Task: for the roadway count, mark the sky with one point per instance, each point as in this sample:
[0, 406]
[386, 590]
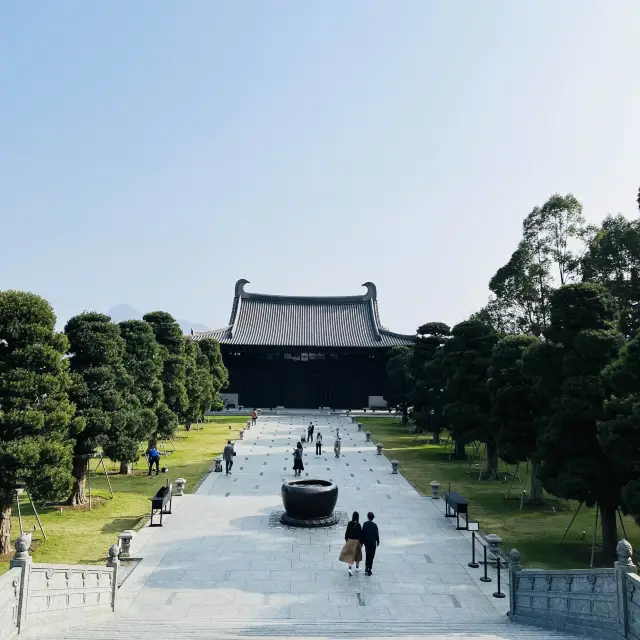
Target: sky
[153, 152]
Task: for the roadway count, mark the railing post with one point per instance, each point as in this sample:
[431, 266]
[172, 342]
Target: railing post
[22, 559]
[624, 566]
[114, 563]
[514, 568]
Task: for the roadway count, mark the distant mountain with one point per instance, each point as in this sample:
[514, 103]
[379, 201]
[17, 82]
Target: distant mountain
[126, 312]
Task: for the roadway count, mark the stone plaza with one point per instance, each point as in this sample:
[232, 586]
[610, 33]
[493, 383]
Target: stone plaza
[223, 566]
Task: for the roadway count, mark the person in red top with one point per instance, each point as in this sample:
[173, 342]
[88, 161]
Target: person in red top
[254, 417]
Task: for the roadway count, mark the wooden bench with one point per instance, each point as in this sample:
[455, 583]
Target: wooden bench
[456, 504]
[159, 504]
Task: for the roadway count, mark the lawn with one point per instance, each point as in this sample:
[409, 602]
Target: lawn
[80, 536]
[535, 532]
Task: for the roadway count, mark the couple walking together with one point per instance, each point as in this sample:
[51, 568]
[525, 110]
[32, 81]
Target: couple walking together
[356, 536]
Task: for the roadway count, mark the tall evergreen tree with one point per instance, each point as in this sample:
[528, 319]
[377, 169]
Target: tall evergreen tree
[613, 260]
[199, 383]
[219, 374]
[174, 372]
[514, 406]
[99, 389]
[399, 391]
[143, 362]
[581, 341]
[429, 378]
[466, 359]
[35, 411]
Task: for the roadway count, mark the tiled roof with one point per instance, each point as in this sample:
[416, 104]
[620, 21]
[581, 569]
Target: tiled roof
[280, 321]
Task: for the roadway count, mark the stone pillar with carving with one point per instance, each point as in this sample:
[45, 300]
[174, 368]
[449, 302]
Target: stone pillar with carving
[114, 563]
[22, 560]
[624, 566]
[514, 568]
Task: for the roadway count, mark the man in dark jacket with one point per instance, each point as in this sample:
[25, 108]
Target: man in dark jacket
[370, 538]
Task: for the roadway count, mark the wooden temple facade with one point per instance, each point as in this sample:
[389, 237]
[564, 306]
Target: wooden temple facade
[305, 352]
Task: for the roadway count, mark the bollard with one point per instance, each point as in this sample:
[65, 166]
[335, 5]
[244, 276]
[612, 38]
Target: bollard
[394, 466]
[125, 543]
[359, 426]
[379, 448]
[435, 487]
[485, 577]
[473, 564]
[367, 436]
[179, 487]
[498, 593]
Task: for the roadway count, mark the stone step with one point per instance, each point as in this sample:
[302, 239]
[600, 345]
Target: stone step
[141, 629]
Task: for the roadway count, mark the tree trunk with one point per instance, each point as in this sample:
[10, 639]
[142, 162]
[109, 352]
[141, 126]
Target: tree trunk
[405, 415]
[461, 454]
[153, 441]
[125, 468]
[536, 491]
[436, 436]
[608, 515]
[187, 426]
[79, 471]
[491, 472]
[5, 525]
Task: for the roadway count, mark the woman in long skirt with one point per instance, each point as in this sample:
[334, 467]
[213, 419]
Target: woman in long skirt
[352, 550]
[298, 466]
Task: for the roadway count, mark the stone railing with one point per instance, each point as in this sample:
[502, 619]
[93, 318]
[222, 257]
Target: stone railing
[9, 602]
[597, 603]
[33, 594]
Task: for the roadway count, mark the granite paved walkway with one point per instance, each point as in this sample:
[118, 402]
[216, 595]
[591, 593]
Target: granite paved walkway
[220, 567]
[220, 556]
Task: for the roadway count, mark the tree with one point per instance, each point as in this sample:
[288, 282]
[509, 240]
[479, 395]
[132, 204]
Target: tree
[174, 372]
[466, 358]
[199, 383]
[400, 381]
[100, 383]
[35, 411]
[569, 367]
[613, 260]
[514, 405]
[220, 376]
[429, 378]
[619, 431]
[143, 362]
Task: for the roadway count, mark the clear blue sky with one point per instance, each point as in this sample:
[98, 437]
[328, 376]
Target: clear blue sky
[152, 152]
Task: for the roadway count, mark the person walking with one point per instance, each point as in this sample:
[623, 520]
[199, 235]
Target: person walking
[352, 550]
[337, 446]
[153, 456]
[298, 465]
[370, 538]
[254, 417]
[310, 430]
[319, 444]
[228, 454]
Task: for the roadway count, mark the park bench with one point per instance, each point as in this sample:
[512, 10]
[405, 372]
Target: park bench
[159, 504]
[455, 504]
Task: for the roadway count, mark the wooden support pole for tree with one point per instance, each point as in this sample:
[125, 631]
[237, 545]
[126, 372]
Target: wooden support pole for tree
[624, 531]
[89, 480]
[19, 514]
[33, 506]
[595, 530]
[526, 475]
[512, 480]
[575, 515]
[106, 475]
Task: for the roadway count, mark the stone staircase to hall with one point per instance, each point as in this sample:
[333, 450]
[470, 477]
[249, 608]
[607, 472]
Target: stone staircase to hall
[156, 629]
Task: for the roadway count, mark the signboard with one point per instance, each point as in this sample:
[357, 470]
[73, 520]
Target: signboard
[473, 526]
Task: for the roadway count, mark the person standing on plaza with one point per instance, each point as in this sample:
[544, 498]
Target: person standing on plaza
[319, 444]
[310, 430]
[370, 538]
[298, 465]
[337, 446]
[352, 550]
[228, 454]
[254, 417]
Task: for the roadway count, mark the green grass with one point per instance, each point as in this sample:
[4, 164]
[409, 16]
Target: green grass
[80, 536]
[534, 531]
